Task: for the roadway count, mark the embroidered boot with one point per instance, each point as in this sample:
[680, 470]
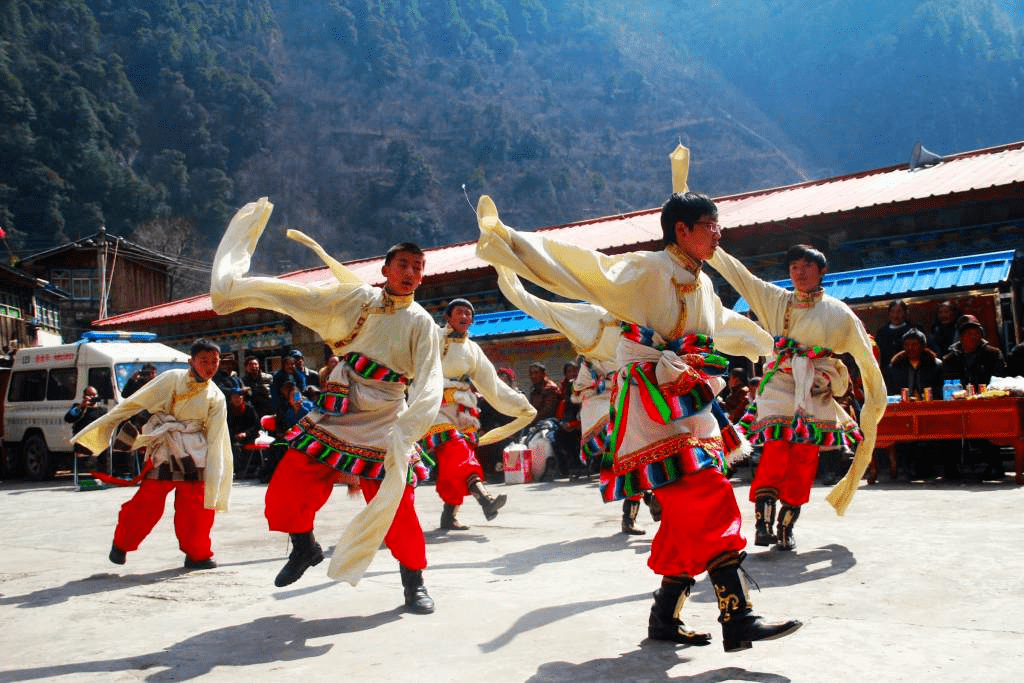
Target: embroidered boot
[306, 553]
[664, 622]
[787, 518]
[630, 508]
[740, 626]
[450, 518]
[490, 504]
[417, 600]
[764, 515]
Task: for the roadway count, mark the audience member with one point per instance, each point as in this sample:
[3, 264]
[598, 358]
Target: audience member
[256, 387]
[490, 455]
[138, 379]
[327, 369]
[287, 373]
[567, 438]
[227, 379]
[544, 394]
[890, 337]
[914, 368]
[735, 398]
[943, 332]
[1015, 361]
[312, 376]
[243, 427]
[81, 414]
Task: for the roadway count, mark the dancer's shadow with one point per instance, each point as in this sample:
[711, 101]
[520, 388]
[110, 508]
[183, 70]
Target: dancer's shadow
[651, 662]
[268, 640]
[525, 561]
[90, 585]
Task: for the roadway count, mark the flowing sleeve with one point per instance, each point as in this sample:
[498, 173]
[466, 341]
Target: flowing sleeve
[231, 290]
[502, 398]
[219, 460]
[365, 533]
[857, 344]
[155, 396]
[564, 269]
[738, 335]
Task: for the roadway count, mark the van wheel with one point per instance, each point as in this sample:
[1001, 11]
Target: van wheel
[36, 456]
[10, 463]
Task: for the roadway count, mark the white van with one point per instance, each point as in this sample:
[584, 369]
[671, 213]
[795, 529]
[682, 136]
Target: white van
[46, 380]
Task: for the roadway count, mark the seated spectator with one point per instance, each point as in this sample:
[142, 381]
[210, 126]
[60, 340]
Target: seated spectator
[292, 408]
[567, 438]
[138, 379]
[1015, 361]
[544, 394]
[244, 427]
[972, 360]
[943, 332]
[227, 378]
[256, 384]
[914, 368]
[312, 376]
[890, 337]
[287, 373]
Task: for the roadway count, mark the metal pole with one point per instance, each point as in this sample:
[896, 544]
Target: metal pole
[101, 261]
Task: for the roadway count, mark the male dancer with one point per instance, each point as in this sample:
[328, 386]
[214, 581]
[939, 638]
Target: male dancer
[795, 412]
[188, 451]
[452, 438]
[594, 334]
[363, 426]
[666, 434]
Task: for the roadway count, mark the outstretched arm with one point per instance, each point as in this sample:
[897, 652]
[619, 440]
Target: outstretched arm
[760, 295]
[502, 398]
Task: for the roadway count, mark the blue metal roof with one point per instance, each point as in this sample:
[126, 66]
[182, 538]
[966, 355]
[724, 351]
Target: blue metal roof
[912, 278]
[503, 323]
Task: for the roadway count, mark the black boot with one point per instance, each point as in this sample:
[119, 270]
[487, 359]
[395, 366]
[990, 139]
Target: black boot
[740, 626]
[450, 518]
[664, 623]
[787, 518]
[489, 503]
[764, 516]
[117, 556]
[306, 553]
[630, 508]
[653, 505]
[416, 598]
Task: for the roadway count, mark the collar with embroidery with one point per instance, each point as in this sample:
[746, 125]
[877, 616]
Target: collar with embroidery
[807, 299]
[689, 263]
[395, 302]
[454, 336]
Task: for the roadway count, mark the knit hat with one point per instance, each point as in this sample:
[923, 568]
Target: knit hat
[458, 302]
[914, 333]
[966, 321]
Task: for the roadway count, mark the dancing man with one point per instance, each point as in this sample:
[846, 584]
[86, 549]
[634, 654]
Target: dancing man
[795, 412]
[452, 438]
[363, 429]
[666, 434]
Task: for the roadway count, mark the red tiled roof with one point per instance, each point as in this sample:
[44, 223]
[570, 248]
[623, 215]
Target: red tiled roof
[994, 167]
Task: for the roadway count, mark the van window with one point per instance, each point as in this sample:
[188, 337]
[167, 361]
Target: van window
[62, 383]
[27, 385]
[100, 380]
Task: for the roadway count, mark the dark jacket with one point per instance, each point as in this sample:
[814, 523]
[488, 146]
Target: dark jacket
[259, 392]
[974, 368]
[80, 419]
[246, 422]
[545, 398]
[902, 375]
[890, 342]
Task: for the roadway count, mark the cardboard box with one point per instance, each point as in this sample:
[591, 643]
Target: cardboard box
[517, 463]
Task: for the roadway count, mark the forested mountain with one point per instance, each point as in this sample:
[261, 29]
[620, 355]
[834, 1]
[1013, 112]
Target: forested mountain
[363, 119]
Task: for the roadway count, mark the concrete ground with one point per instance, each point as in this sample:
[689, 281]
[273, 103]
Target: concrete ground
[918, 582]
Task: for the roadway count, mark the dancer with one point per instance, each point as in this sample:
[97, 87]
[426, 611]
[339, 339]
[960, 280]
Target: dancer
[795, 411]
[363, 429]
[594, 334]
[666, 434]
[188, 451]
[451, 440]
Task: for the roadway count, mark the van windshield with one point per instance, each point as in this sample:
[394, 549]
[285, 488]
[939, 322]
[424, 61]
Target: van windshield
[125, 371]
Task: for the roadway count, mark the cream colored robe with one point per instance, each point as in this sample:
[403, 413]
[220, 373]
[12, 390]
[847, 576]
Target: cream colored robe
[665, 291]
[176, 393]
[349, 315]
[465, 368]
[814, 321]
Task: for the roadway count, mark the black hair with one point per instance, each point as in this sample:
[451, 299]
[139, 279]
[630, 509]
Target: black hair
[805, 252]
[202, 344]
[407, 247]
[687, 207]
[898, 302]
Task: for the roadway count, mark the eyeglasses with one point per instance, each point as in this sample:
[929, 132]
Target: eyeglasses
[712, 226]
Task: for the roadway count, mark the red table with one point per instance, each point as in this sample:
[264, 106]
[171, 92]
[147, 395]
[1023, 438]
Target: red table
[1000, 420]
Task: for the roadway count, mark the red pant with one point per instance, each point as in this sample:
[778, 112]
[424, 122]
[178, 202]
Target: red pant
[699, 521]
[301, 486]
[456, 461]
[192, 521]
[786, 472]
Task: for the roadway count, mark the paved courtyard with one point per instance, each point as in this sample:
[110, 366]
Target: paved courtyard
[918, 582]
